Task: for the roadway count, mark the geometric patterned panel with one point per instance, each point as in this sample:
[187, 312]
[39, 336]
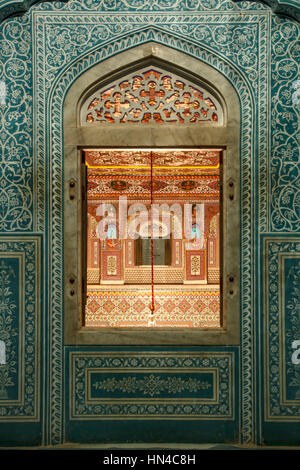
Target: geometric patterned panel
[129, 307]
[161, 275]
[213, 275]
[93, 276]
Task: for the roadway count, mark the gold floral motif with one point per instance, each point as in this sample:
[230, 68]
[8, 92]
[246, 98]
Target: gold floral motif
[152, 385]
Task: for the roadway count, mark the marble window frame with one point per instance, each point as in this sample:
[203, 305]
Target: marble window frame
[225, 137]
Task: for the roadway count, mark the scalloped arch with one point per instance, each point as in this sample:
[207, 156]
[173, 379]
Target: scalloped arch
[290, 8]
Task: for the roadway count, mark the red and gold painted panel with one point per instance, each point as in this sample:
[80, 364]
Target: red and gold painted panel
[195, 266]
[111, 265]
[138, 186]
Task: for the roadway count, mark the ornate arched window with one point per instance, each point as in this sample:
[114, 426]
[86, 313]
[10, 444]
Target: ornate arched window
[155, 134]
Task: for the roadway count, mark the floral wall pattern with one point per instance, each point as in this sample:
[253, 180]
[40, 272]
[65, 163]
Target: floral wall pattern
[284, 170]
[16, 167]
[42, 53]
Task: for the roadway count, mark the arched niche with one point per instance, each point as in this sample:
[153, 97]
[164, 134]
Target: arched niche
[168, 135]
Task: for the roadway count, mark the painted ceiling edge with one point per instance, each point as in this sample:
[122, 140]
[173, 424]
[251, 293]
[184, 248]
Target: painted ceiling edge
[290, 8]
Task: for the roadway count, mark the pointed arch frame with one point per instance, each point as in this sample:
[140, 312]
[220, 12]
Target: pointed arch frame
[52, 164]
[170, 136]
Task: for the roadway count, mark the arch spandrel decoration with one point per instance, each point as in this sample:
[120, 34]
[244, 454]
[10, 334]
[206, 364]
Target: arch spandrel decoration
[152, 95]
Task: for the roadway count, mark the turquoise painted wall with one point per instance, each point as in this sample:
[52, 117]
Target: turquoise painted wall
[44, 396]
